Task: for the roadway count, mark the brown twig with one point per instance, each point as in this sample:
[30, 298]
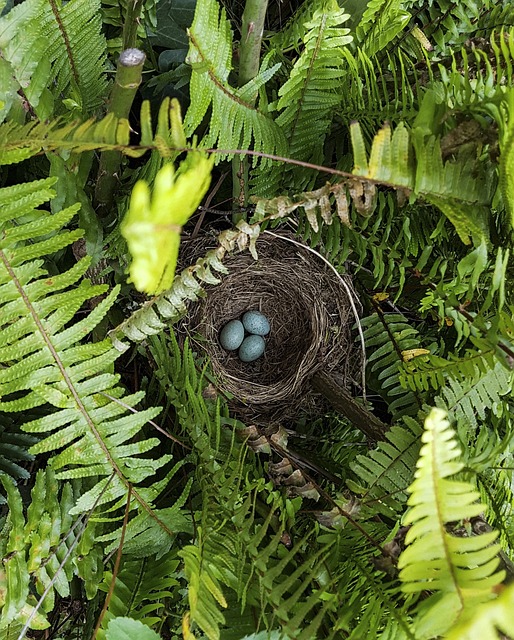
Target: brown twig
[116, 564]
[207, 204]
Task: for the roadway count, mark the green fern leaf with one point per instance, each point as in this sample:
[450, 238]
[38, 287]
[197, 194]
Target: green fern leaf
[315, 79]
[291, 35]
[451, 186]
[431, 372]
[460, 570]
[49, 45]
[45, 362]
[33, 550]
[308, 100]
[387, 471]
[468, 400]
[14, 452]
[381, 22]
[140, 589]
[127, 628]
[210, 55]
[507, 159]
[386, 337]
[21, 141]
[491, 620]
[204, 593]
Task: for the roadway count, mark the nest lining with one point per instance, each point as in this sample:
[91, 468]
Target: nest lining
[310, 318]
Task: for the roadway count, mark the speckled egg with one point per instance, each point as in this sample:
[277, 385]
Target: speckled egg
[256, 322]
[251, 348]
[232, 335]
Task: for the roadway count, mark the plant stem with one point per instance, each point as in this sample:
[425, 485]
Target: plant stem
[251, 37]
[343, 402]
[128, 79]
[252, 28]
[131, 23]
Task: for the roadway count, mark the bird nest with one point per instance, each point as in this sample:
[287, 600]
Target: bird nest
[310, 315]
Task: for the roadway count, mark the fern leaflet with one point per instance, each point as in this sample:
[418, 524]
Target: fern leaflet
[311, 95]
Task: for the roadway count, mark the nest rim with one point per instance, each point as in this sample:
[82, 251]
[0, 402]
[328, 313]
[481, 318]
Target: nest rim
[311, 317]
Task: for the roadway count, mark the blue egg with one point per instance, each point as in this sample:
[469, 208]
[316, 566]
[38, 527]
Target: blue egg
[252, 348]
[256, 322]
[232, 335]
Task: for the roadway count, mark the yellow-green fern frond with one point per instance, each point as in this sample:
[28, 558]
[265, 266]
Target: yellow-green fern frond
[21, 141]
[152, 227]
[461, 571]
[415, 163]
[491, 620]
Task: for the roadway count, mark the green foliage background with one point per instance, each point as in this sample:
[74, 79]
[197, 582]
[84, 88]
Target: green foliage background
[133, 503]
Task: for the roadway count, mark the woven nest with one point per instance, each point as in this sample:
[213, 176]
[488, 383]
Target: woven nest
[310, 316]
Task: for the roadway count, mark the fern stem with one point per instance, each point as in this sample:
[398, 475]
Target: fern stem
[131, 23]
[251, 36]
[252, 28]
[66, 38]
[117, 562]
[128, 79]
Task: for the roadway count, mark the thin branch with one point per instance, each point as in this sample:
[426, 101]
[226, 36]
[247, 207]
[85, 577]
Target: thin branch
[116, 567]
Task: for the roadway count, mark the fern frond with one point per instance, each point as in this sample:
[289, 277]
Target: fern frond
[507, 158]
[427, 372]
[310, 97]
[385, 473]
[469, 399]
[152, 227]
[315, 204]
[205, 593]
[292, 33]
[62, 47]
[14, 450]
[374, 94]
[449, 25]
[146, 537]
[386, 337]
[460, 570]
[19, 142]
[452, 186]
[140, 590]
[381, 22]
[44, 362]
[33, 547]
[492, 620]
[210, 55]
